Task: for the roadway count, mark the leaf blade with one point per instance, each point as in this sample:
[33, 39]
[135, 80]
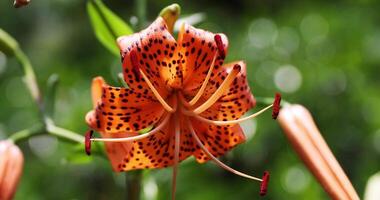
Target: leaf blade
[107, 25]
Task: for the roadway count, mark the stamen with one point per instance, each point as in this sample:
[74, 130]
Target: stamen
[276, 105]
[87, 141]
[176, 155]
[220, 45]
[264, 184]
[204, 84]
[135, 64]
[220, 163]
[220, 91]
[134, 138]
[157, 95]
[220, 123]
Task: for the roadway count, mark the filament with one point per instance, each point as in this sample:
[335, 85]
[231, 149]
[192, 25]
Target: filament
[220, 163]
[189, 113]
[156, 94]
[134, 138]
[204, 84]
[220, 91]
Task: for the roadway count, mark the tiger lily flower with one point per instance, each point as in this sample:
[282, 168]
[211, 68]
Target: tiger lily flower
[183, 91]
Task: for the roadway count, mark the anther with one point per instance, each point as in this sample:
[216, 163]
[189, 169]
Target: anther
[276, 105]
[135, 65]
[220, 45]
[264, 184]
[87, 141]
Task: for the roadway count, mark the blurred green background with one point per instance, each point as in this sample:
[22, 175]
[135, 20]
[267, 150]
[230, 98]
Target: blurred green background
[322, 54]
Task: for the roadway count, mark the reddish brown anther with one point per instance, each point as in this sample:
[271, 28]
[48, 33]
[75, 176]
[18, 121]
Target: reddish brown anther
[87, 141]
[20, 3]
[276, 105]
[220, 45]
[264, 184]
[135, 65]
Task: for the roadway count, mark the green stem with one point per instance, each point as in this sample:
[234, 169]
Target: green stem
[63, 133]
[30, 78]
[133, 184]
[27, 133]
[141, 13]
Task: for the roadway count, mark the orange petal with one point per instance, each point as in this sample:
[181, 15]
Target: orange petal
[121, 110]
[157, 56]
[235, 101]
[116, 151]
[198, 47]
[157, 151]
[217, 139]
[96, 90]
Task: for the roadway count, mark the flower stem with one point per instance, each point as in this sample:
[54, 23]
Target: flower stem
[133, 184]
[141, 13]
[30, 78]
[64, 133]
[26, 133]
[47, 125]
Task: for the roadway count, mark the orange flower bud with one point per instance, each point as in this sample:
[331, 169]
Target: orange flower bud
[307, 141]
[11, 165]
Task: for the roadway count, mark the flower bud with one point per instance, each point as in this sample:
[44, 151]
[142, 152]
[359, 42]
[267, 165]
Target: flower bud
[170, 14]
[11, 166]
[307, 141]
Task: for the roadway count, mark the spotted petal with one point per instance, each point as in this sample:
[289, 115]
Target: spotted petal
[198, 47]
[121, 110]
[217, 139]
[157, 151]
[157, 56]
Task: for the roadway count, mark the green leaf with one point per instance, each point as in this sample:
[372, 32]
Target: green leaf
[107, 25]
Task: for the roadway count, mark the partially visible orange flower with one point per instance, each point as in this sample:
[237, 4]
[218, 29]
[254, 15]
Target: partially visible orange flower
[11, 165]
[183, 90]
[307, 141]
[20, 3]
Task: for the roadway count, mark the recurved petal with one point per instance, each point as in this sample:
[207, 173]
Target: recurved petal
[157, 56]
[236, 100]
[198, 47]
[217, 139]
[122, 110]
[97, 89]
